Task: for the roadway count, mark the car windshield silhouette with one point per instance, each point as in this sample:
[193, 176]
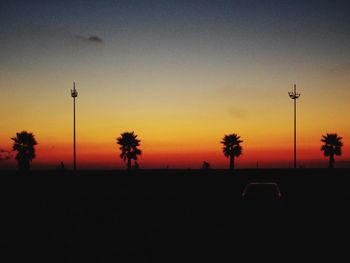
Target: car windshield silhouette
[261, 191]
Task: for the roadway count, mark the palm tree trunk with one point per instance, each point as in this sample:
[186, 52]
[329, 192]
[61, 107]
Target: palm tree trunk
[129, 164]
[23, 165]
[331, 161]
[20, 165]
[232, 162]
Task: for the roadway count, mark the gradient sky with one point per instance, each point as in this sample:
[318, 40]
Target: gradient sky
[181, 74]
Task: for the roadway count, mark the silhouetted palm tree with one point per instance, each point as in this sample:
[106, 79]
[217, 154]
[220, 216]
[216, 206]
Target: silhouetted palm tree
[128, 145]
[232, 148]
[332, 146]
[24, 143]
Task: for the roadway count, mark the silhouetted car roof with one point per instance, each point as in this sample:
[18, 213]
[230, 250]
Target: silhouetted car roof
[261, 191]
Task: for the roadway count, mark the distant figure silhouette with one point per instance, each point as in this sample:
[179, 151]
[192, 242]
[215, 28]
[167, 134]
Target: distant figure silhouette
[24, 143]
[332, 146]
[205, 165]
[128, 145]
[232, 147]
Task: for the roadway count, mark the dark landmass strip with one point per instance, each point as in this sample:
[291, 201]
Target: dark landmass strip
[166, 214]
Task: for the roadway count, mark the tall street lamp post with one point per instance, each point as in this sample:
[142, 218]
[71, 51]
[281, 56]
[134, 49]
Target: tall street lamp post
[74, 94]
[294, 96]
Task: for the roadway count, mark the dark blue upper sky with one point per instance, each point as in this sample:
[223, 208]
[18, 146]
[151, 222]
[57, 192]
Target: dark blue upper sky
[271, 19]
[296, 29]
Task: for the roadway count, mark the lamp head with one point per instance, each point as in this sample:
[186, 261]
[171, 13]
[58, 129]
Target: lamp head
[74, 92]
[293, 95]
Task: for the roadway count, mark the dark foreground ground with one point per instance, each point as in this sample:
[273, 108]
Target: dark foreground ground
[167, 215]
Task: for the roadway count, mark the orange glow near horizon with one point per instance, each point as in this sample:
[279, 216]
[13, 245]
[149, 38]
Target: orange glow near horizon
[178, 137]
[162, 155]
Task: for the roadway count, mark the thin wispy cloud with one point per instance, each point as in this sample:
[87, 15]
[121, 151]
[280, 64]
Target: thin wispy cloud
[90, 39]
[341, 68]
[47, 33]
[237, 112]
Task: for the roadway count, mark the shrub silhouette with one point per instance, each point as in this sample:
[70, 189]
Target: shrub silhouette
[5, 155]
[128, 145]
[332, 146]
[232, 148]
[205, 165]
[24, 143]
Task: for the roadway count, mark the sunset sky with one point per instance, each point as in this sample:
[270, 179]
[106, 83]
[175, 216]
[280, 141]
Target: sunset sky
[181, 74]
